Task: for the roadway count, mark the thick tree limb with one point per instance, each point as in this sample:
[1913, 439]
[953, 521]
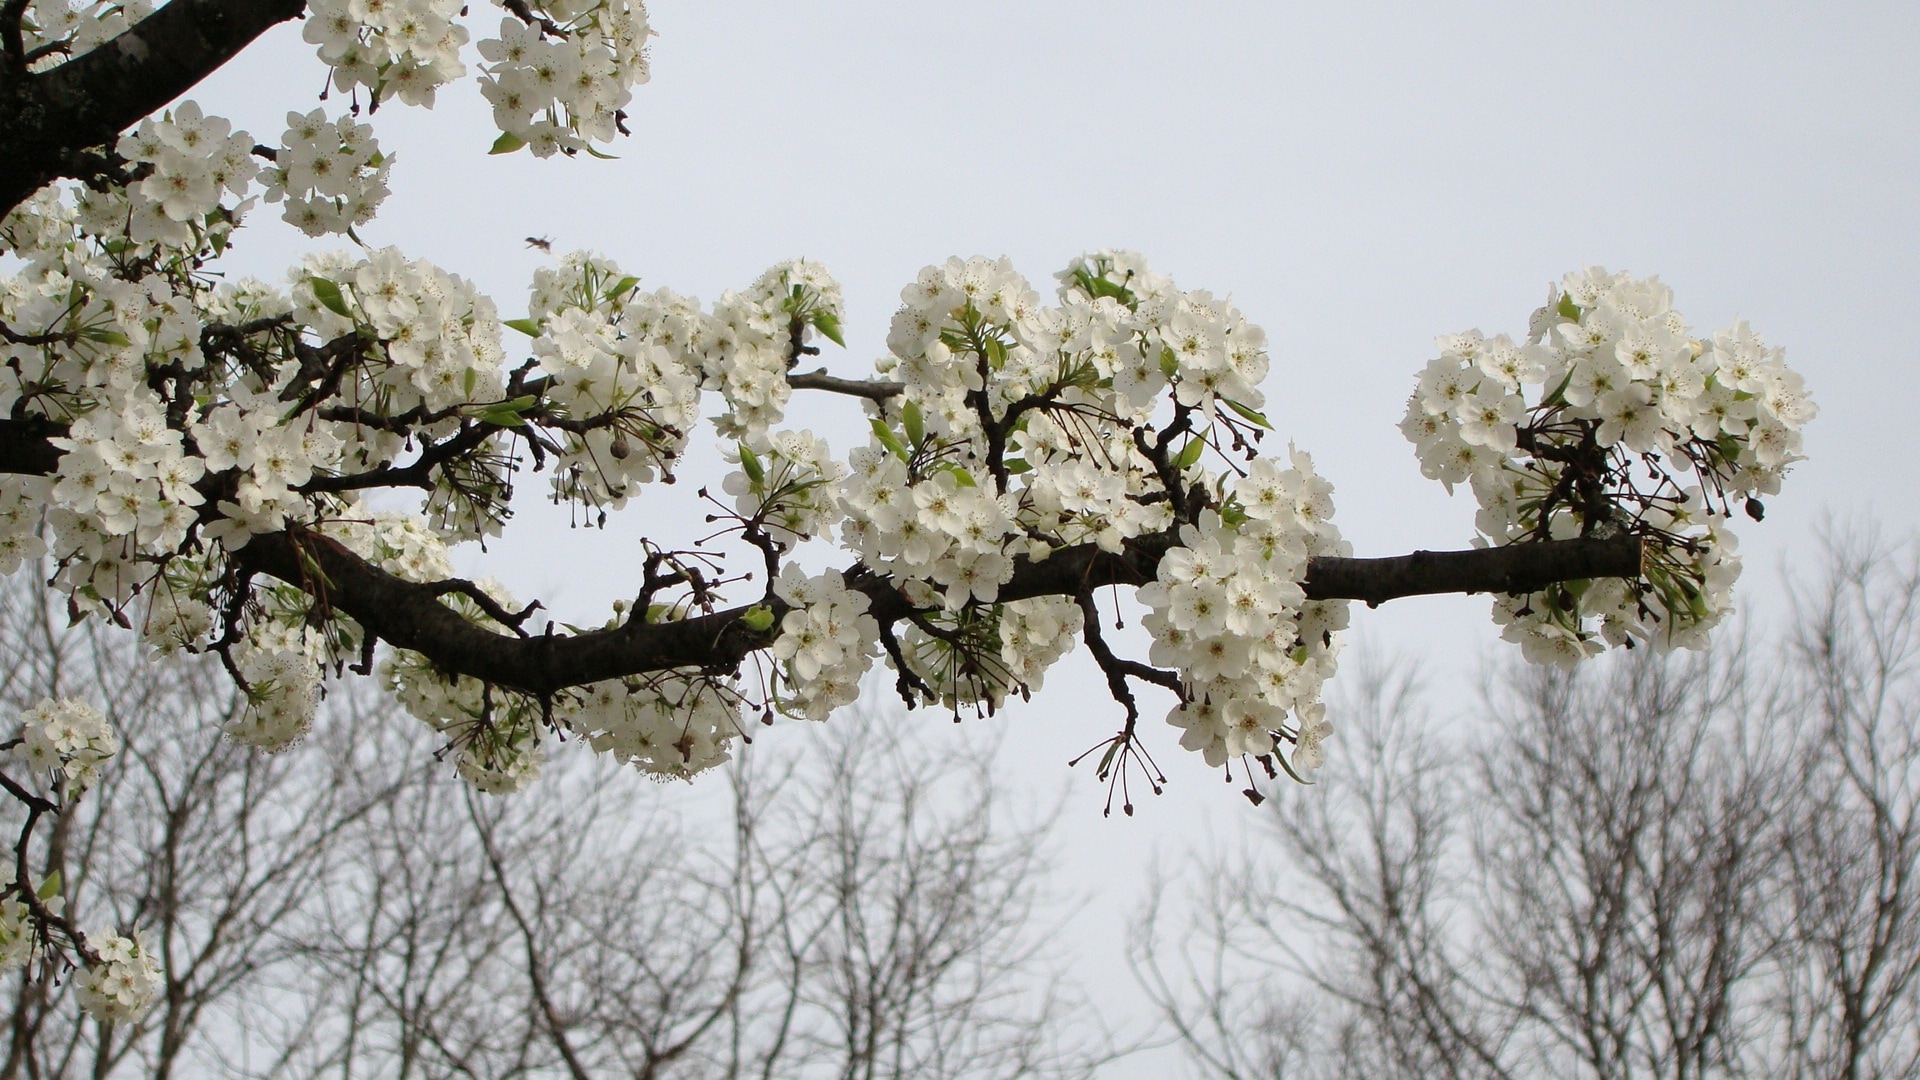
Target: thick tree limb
[47, 118]
[24, 448]
[411, 616]
[1516, 568]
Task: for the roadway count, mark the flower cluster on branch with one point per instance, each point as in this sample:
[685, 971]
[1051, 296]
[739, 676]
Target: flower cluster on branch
[1612, 418]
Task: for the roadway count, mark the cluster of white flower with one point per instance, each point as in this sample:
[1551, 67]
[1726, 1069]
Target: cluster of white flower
[68, 739]
[753, 337]
[122, 984]
[331, 173]
[827, 642]
[17, 932]
[20, 508]
[438, 355]
[400, 544]
[1623, 389]
[566, 93]
[439, 335]
[946, 529]
[786, 487]
[1228, 612]
[194, 159]
[59, 30]
[650, 400]
[282, 669]
[672, 724]
[395, 48]
[119, 985]
[495, 743]
[130, 475]
[1036, 633]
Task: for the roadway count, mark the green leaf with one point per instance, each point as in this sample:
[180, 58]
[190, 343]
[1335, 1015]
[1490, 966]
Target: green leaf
[1557, 397]
[962, 477]
[1190, 454]
[889, 440]
[473, 377]
[1016, 466]
[507, 143]
[623, 286]
[750, 462]
[503, 416]
[1568, 309]
[1250, 416]
[525, 326]
[601, 154]
[329, 296]
[107, 337]
[49, 888]
[758, 618]
[829, 324]
[914, 422]
[1169, 364]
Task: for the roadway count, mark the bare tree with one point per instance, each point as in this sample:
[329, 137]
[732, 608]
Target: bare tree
[867, 907]
[207, 847]
[1681, 867]
[867, 911]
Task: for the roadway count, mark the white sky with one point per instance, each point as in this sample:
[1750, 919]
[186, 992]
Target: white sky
[1358, 177]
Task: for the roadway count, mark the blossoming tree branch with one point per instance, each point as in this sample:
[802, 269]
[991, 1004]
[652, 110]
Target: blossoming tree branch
[191, 457]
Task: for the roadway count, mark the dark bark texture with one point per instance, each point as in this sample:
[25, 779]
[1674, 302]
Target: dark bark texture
[49, 119]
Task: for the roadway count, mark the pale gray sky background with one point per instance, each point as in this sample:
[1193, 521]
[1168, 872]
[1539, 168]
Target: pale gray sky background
[1358, 177]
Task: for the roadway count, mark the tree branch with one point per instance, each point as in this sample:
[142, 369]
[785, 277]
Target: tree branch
[410, 614]
[48, 117]
[871, 389]
[1515, 568]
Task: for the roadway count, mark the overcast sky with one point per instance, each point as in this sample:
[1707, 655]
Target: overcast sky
[1358, 177]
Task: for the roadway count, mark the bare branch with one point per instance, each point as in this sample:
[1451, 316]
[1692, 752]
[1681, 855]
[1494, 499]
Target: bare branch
[871, 389]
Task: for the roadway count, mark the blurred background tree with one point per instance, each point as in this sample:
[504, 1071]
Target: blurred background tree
[1695, 866]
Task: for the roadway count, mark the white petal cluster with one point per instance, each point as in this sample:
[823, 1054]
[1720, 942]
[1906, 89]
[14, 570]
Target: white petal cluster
[785, 489]
[331, 174]
[560, 84]
[129, 474]
[122, 984]
[826, 643]
[1034, 634]
[494, 738]
[1612, 376]
[18, 940]
[281, 664]
[57, 30]
[672, 725]
[394, 48]
[1229, 613]
[195, 161]
[754, 337]
[650, 399]
[68, 739]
